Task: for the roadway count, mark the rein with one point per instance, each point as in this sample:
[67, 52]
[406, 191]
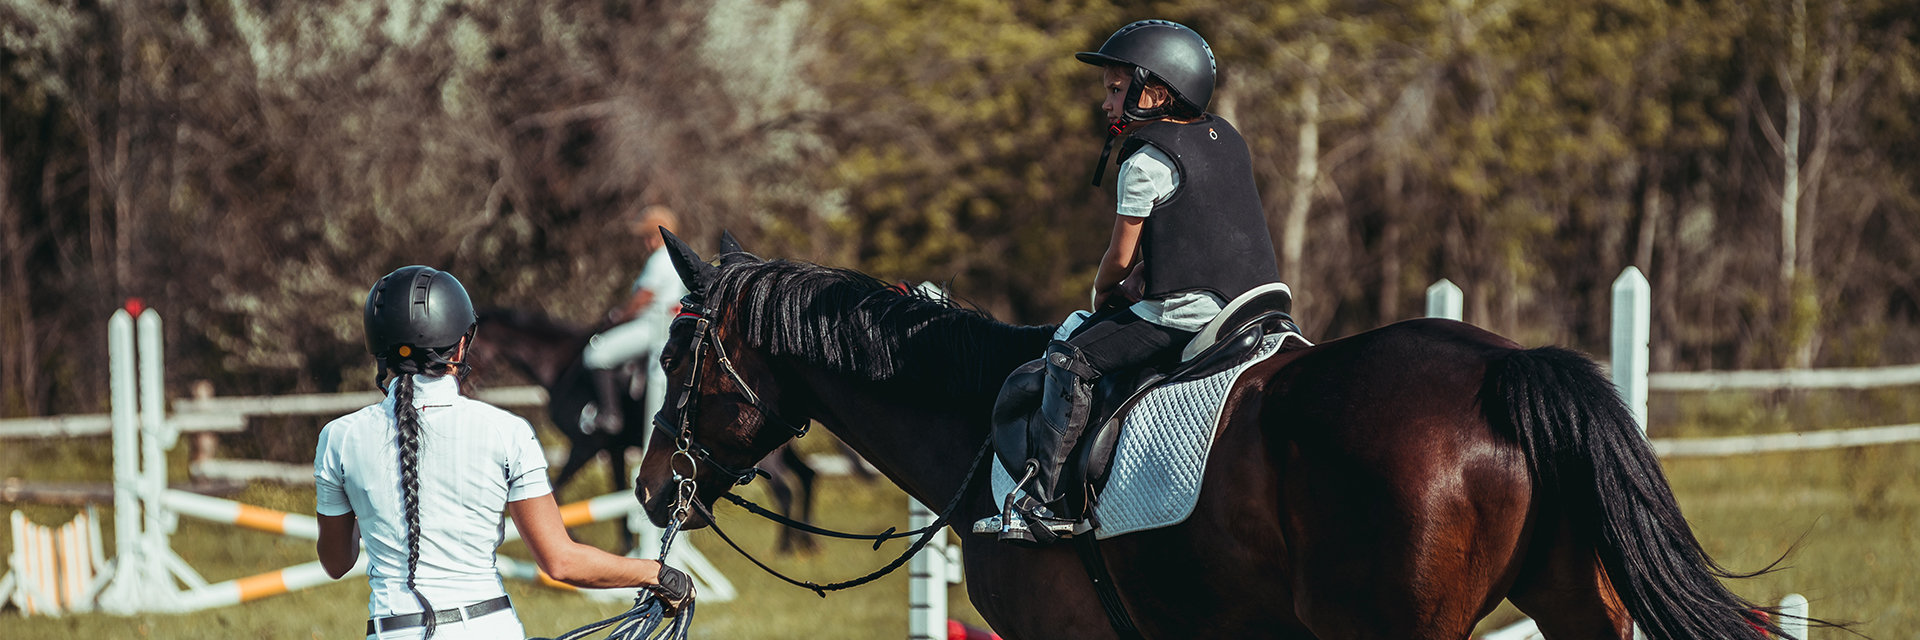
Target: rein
[926, 534]
[694, 453]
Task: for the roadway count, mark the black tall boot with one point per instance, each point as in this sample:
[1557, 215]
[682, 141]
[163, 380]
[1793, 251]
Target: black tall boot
[606, 385]
[1037, 512]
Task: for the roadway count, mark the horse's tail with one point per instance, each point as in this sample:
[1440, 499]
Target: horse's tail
[1586, 450]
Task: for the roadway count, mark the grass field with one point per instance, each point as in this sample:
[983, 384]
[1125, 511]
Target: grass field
[1849, 518]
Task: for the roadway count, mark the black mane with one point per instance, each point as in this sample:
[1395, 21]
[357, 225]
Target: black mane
[848, 322]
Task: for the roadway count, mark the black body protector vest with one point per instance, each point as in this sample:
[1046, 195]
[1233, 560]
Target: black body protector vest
[1211, 234]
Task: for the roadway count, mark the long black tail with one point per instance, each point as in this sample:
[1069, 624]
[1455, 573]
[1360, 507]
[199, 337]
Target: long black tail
[1585, 448]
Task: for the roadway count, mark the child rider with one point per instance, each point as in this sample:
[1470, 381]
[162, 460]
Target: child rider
[1189, 237]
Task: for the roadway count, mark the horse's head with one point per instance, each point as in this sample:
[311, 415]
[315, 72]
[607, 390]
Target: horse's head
[723, 410]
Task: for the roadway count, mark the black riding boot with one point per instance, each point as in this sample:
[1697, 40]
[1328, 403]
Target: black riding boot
[606, 385]
[1038, 511]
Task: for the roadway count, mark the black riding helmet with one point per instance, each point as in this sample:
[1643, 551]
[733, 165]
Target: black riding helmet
[1158, 51]
[417, 313]
[1162, 51]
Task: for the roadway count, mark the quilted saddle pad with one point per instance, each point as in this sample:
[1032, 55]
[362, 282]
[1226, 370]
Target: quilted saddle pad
[1162, 452]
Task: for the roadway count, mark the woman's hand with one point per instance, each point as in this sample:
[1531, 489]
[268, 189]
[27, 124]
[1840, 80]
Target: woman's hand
[674, 589]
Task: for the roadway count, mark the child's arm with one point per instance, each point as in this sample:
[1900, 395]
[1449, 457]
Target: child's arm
[1122, 252]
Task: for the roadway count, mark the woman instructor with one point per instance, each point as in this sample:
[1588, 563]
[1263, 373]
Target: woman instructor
[424, 476]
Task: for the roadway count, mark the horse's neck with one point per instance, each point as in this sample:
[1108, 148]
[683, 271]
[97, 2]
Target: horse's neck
[924, 449]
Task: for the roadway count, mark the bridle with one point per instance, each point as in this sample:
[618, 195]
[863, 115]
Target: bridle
[686, 410]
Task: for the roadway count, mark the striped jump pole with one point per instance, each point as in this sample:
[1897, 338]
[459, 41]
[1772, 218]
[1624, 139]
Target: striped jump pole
[255, 587]
[247, 516]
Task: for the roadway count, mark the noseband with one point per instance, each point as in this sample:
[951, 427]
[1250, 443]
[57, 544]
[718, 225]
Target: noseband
[686, 409]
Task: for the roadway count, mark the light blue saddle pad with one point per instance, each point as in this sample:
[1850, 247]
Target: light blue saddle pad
[1162, 454]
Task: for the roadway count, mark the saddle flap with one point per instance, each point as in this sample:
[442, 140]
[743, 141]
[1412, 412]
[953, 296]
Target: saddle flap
[1095, 461]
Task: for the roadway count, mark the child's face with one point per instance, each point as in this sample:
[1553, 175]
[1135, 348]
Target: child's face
[1115, 81]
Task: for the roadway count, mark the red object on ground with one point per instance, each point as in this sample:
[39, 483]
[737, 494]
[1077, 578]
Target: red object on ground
[959, 631]
[135, 306]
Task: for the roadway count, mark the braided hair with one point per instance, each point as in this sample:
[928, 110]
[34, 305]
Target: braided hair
[408, 362]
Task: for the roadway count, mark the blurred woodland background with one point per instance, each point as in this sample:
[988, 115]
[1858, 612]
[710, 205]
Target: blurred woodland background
[249, 167]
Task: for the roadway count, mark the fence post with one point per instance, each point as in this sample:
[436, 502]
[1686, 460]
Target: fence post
[1444, 300]
[927, 586]
[1632, 331]
[1793, 616]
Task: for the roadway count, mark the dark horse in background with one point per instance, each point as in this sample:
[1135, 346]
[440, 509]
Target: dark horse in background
[548, 352]
[1394, 484]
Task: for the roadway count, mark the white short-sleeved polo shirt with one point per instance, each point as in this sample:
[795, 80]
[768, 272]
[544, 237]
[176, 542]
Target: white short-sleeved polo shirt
[474, 459]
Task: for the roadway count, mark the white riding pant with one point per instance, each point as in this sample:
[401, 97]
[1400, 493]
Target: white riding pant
[503, 625]
[634, 340]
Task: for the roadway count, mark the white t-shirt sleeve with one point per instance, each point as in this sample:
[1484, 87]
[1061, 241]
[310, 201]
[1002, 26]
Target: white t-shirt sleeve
[526, 466]
[1147, 178]
[329, 476]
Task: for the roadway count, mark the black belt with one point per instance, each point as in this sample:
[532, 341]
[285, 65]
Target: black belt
[443, 616]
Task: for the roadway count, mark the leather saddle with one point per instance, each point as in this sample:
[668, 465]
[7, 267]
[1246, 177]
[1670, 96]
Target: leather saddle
[1114, 395]
[1230, 339]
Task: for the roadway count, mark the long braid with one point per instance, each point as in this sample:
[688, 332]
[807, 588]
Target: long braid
[407, 422]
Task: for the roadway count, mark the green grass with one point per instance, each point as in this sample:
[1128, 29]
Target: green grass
[1848, 516]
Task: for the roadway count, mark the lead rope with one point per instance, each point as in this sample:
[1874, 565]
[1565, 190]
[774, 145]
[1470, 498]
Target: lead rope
[647, 620]
[926, 535]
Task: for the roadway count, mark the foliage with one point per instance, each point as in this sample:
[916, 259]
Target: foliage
[250, 167]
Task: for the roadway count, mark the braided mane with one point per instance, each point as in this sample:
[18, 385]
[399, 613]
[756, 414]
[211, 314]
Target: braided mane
[849, 322]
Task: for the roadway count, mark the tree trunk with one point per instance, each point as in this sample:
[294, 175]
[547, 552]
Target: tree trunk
[1306, 168]
[12, 299]
[123, 208]
[1389, 246]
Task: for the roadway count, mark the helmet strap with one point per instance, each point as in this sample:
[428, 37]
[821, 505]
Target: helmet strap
[1113, 133]
[1141, 76]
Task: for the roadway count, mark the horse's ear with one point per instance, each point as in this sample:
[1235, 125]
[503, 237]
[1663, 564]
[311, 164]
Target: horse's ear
[695, 273]
[731, 253]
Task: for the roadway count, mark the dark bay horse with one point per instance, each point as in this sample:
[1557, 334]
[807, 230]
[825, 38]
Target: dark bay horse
[1394, 484]
[548, 352]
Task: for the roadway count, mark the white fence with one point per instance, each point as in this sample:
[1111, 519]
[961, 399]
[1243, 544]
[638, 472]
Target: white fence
[1631, 335]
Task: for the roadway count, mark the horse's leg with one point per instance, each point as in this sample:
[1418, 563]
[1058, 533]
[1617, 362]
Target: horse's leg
[803, 499]
[855, 462]
[617, 461]
[777, 475]
[1565, 590]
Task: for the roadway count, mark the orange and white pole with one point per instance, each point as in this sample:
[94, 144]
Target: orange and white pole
[255, 587]
[242, 515]
[601, 509]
